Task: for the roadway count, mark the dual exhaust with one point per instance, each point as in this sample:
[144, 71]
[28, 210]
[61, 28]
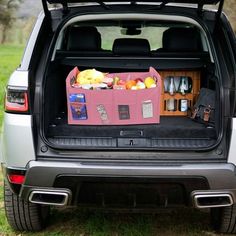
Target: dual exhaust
[212, 199]
[200, 199]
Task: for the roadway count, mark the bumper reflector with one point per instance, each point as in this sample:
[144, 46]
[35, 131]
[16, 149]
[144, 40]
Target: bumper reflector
[16, 179]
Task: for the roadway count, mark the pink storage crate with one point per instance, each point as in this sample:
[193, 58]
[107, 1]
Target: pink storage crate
[112, 106]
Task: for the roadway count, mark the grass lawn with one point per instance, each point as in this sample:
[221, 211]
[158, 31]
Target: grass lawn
[94, 223]
[10, 57]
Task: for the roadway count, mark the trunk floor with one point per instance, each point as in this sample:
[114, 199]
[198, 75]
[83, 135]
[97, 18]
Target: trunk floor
[168, 128]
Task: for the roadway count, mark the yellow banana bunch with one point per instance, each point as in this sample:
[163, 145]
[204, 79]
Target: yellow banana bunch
[90, 76]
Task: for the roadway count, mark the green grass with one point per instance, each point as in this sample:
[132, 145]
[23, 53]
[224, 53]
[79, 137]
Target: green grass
[77, 222]
[10, 57]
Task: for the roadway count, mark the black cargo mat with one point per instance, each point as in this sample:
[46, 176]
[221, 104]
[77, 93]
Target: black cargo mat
[168, 128]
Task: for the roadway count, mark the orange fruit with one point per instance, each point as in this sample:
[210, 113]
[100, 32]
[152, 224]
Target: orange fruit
[130, 83]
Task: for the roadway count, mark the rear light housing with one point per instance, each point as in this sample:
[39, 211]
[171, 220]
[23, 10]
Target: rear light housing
[16, 100]
[16, 178]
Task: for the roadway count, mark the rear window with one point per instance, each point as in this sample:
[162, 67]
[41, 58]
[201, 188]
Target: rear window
[109, 31]
[151, 33]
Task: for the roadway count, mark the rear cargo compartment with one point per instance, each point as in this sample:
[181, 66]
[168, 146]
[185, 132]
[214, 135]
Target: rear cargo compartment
[161, 118]
[176, 129]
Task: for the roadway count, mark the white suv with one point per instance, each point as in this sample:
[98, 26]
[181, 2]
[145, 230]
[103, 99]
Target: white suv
[186, 156]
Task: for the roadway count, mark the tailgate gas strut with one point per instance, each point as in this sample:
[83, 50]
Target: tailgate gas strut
[220, 9]
[47, 14]
[218, 14]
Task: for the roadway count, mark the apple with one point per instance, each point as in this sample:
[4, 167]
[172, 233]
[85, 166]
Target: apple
[138, 80]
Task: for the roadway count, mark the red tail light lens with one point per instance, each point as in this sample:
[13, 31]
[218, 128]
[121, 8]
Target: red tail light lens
[16, 179]
[16, 100]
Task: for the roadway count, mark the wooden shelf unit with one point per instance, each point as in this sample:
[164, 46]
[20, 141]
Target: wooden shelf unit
[191, 96]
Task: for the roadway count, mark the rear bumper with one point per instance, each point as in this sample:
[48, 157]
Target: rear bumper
[44, 173]
[190, 178]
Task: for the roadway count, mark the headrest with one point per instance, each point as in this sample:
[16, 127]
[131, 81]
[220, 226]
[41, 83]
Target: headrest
[131, 46]
[84, 39]
[181, 39]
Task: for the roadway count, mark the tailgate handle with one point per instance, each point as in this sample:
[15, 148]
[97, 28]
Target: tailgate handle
[133, 133]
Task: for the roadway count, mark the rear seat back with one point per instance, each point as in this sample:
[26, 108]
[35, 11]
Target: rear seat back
[81, 42]
[131, 47]
[84, 39]
[181, 40]
[177, 42]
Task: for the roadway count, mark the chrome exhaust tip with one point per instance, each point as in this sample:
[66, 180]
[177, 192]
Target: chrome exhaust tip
[53, 198]
[209, 200]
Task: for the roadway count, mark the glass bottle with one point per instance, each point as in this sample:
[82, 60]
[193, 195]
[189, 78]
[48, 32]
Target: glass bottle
[183, 86]
[171, 89]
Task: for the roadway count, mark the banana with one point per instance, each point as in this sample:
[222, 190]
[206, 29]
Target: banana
[90, 76]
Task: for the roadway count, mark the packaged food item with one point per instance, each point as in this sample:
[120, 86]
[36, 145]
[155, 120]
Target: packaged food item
[119, 87]
[99, 86]
[77, 97]
[103, 113]
[147, 109]
[124, 113]
[79, 111]
[86, 86]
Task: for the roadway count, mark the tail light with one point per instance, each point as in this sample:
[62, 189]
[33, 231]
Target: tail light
[16, 179]
[16, 100]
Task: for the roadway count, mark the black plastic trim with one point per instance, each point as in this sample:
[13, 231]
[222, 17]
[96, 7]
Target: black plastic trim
[133, 143]
[135, 62]
[78, 184]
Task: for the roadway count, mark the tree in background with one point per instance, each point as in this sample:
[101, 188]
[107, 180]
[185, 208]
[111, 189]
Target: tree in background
[15, 28]
[7, 9]
[230, 9]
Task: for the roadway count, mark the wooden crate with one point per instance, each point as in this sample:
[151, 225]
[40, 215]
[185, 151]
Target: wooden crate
[191, 96]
